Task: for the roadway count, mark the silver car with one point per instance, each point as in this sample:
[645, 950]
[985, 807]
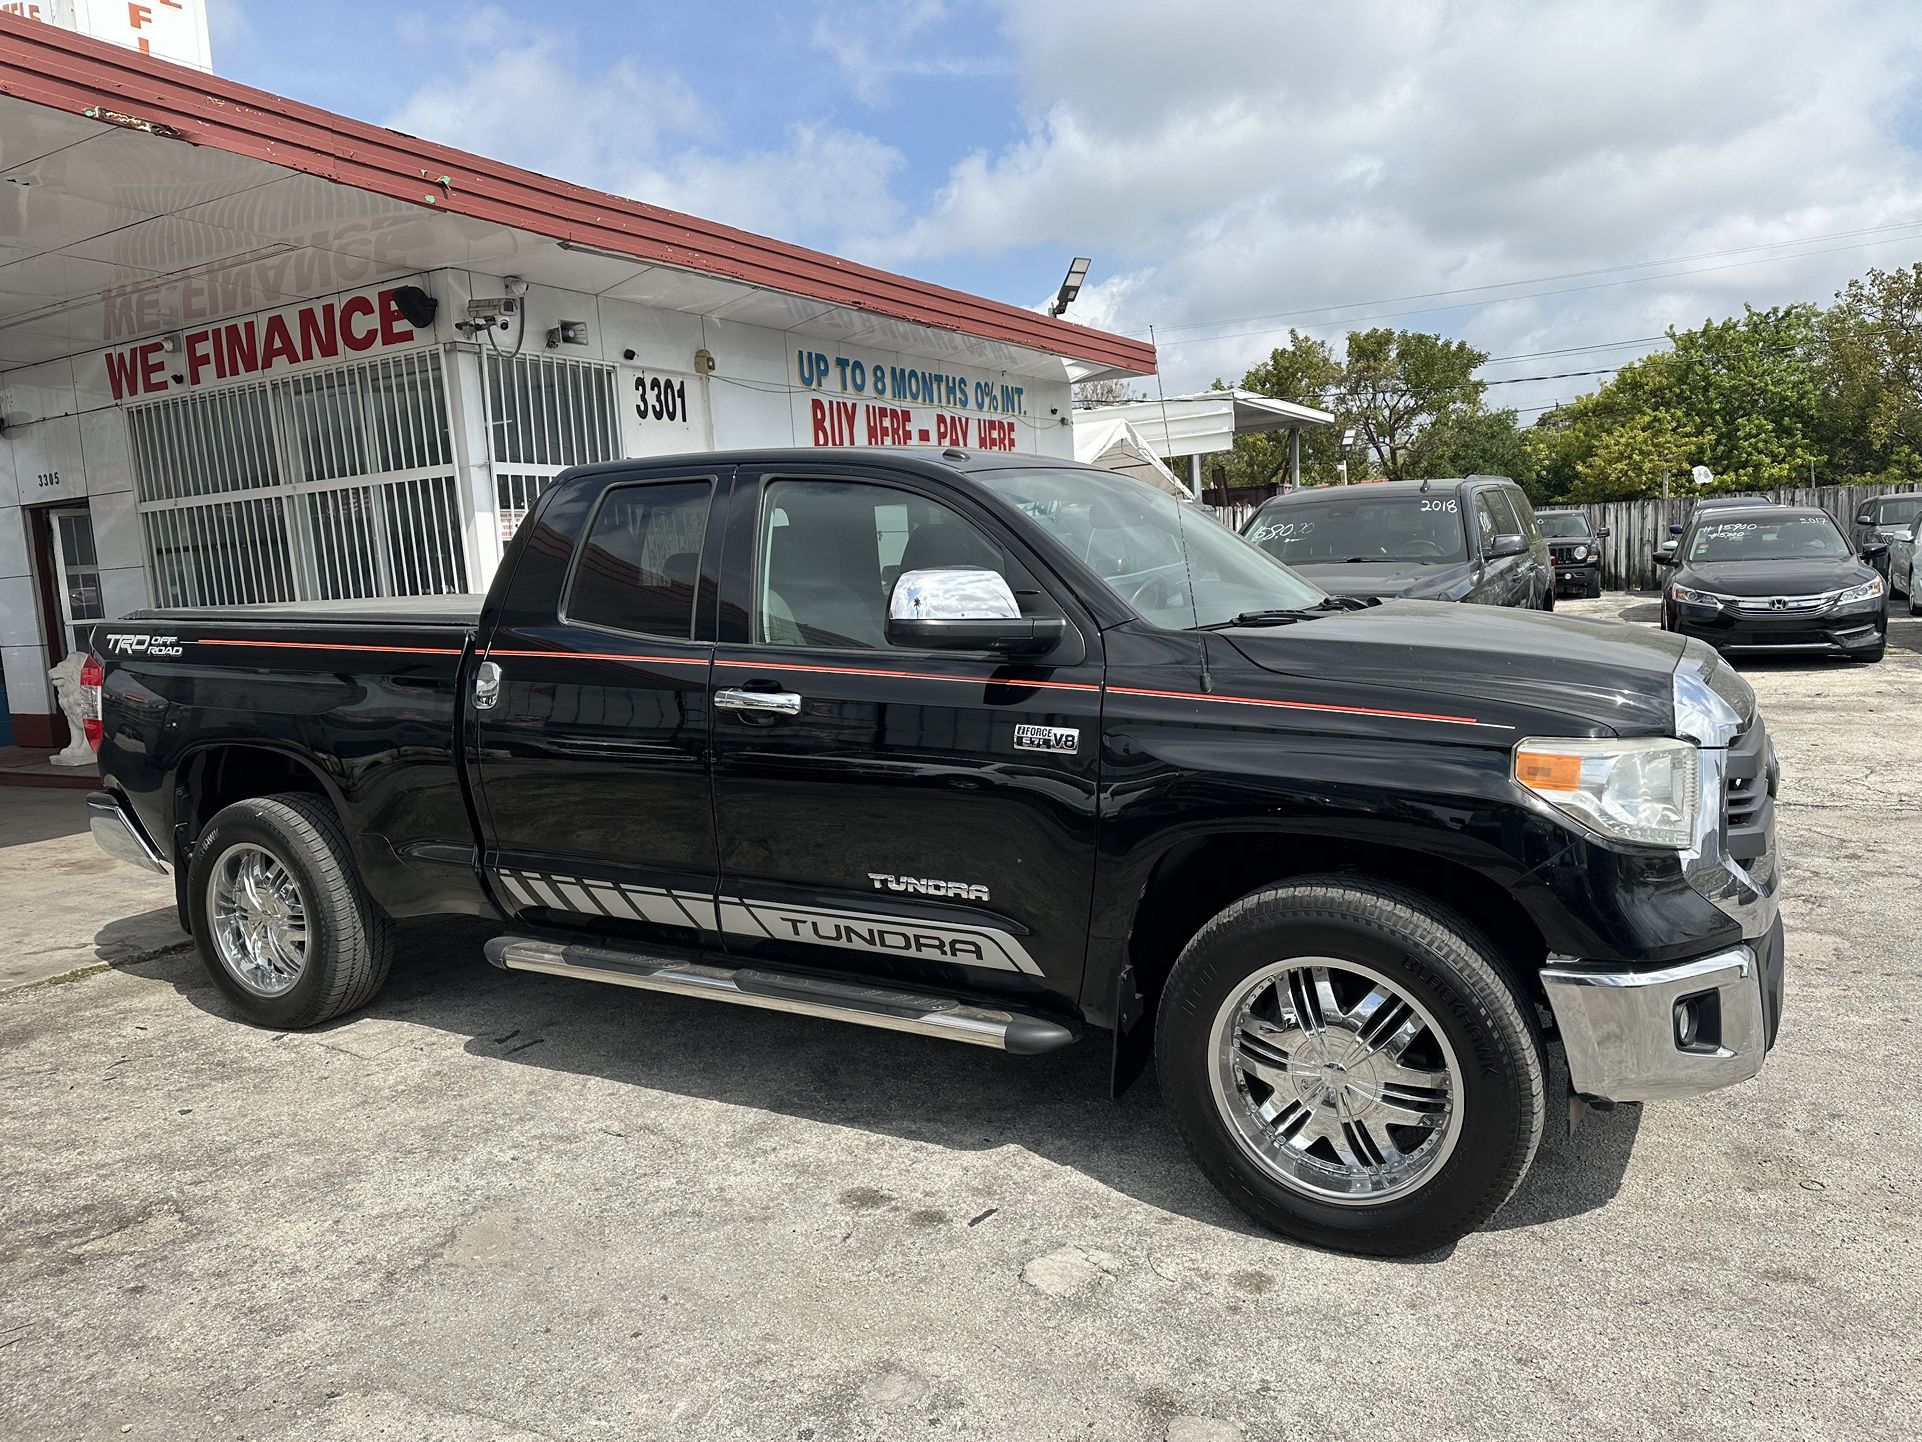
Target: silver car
[1890, 521]
[1902, 555]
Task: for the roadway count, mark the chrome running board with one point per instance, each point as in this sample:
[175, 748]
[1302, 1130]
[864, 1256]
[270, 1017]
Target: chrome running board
[921, 1013]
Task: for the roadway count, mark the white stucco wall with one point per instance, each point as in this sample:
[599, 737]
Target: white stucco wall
[67, 436]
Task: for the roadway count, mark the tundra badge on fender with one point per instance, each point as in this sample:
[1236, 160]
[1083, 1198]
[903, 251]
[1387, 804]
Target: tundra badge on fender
[1047, 738]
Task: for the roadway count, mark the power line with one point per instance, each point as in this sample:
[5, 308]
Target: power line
[1549, 279]
[1574, 349]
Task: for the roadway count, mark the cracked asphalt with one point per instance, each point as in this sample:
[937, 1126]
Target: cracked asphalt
[517, 1207]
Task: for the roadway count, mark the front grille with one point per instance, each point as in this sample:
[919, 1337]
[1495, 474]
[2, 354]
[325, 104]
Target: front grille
[1748, 801]
[1784, 605]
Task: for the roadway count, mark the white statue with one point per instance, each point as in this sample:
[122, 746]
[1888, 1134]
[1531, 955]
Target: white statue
[75, 707]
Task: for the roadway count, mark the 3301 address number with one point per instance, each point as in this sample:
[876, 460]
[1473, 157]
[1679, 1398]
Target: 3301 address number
[660, 398]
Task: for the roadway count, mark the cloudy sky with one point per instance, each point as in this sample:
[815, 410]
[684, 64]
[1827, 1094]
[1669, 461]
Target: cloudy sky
[1555, 183]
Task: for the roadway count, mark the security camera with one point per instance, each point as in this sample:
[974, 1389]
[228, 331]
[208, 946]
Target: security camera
[493, 307]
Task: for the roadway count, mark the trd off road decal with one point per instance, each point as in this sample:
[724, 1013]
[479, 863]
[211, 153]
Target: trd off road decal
[144, 645]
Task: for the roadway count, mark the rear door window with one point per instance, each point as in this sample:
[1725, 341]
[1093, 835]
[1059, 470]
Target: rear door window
[1525, 523]
[638, 568]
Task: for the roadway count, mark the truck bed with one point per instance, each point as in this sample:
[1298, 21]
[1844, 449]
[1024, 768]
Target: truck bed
[460, 610]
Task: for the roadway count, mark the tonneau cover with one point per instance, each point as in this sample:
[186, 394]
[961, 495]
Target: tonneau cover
[462, 610]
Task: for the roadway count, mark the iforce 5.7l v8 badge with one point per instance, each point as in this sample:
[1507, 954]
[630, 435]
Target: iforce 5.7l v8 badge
[1047, 738]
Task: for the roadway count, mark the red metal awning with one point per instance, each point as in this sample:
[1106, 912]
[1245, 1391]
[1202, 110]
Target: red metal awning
[81, 76]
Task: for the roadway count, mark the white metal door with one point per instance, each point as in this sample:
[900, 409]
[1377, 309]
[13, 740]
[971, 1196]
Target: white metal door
[76, 575]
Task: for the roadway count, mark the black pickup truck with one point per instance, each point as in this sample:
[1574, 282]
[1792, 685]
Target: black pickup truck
[1008, 751]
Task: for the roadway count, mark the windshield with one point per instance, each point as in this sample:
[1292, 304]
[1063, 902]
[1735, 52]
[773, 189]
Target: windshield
[1563, 524]
[1897, 511]
[1172, 562]
[1358, 528]
[1759, 538]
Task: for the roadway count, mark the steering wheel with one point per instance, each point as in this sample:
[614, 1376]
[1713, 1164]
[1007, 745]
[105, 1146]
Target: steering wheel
[1422, 548]
[1165, 591]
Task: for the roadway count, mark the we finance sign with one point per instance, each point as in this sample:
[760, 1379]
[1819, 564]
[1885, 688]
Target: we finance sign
[876, 401]
[236, 350]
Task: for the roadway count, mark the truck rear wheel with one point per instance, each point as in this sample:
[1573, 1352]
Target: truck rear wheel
[1345, 1061]
[284, 926]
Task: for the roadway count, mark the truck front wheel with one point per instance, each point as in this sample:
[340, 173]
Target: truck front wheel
[283, 924]
[1347, 1063]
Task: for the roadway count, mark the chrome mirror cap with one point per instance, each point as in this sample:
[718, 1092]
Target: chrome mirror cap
[952, 593]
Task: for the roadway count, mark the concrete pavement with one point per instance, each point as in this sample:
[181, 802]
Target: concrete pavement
[500, 1206]
[64, 904]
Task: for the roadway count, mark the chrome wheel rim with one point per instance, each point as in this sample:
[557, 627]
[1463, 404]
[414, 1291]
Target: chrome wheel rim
[1335, 1081]
[258, 919]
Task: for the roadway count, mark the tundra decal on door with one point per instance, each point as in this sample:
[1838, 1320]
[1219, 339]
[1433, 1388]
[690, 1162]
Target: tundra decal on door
[984, 946]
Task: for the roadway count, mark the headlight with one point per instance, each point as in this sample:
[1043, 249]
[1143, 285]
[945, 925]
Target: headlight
[1580, 553]
[1869, 590]
[1644, 790]
[1695, 597]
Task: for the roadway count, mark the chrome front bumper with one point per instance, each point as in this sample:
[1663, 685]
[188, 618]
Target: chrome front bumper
[1672, 1031]
[118, 834]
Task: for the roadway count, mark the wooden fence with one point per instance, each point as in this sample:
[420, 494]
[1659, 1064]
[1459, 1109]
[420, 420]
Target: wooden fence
[1636, 528]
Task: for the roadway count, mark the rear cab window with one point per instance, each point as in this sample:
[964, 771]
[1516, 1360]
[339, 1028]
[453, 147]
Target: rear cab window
[638, 568]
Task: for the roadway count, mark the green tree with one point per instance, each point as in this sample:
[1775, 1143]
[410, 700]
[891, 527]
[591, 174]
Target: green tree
[1407, 391]
[1630, 459]
[1306, 372]
[1747, 397]
[1488, 443]
[1874, 350]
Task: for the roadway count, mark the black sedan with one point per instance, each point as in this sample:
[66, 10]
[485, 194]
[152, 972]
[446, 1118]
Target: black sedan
[1775, 578]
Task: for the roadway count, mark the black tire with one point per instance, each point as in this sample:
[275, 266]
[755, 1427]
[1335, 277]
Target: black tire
[1915, 601]
[350, 940]
[1438, 960]
[1594, 589]
[1548, 597]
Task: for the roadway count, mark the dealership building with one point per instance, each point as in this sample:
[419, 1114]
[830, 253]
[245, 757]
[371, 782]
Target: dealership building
[253, 351]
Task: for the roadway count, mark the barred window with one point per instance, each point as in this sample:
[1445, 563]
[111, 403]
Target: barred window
[330, 484]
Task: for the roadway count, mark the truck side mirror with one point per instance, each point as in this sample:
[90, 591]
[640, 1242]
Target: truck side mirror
[1602, 534]
[1875, 549]
[1674, 530]
[1507, 545]
[964, 608]
[1865, 517]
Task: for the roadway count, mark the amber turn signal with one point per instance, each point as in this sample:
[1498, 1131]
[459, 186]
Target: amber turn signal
[1548, 771]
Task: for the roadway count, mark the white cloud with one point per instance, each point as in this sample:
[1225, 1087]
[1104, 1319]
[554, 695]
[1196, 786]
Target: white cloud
[873, 56]
[823, 181]
[1236, 162]
[517, 95]
[525, 96]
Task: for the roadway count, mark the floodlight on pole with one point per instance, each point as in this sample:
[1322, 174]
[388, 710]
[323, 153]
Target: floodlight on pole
[1071, 285]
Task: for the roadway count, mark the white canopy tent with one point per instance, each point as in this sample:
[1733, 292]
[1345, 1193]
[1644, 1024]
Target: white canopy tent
[1115, 445]
[1206, 423]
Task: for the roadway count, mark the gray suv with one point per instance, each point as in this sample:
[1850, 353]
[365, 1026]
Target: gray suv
[1470, 539]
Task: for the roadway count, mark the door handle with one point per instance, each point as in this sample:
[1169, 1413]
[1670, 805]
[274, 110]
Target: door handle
[487, 685]
[770, 703]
